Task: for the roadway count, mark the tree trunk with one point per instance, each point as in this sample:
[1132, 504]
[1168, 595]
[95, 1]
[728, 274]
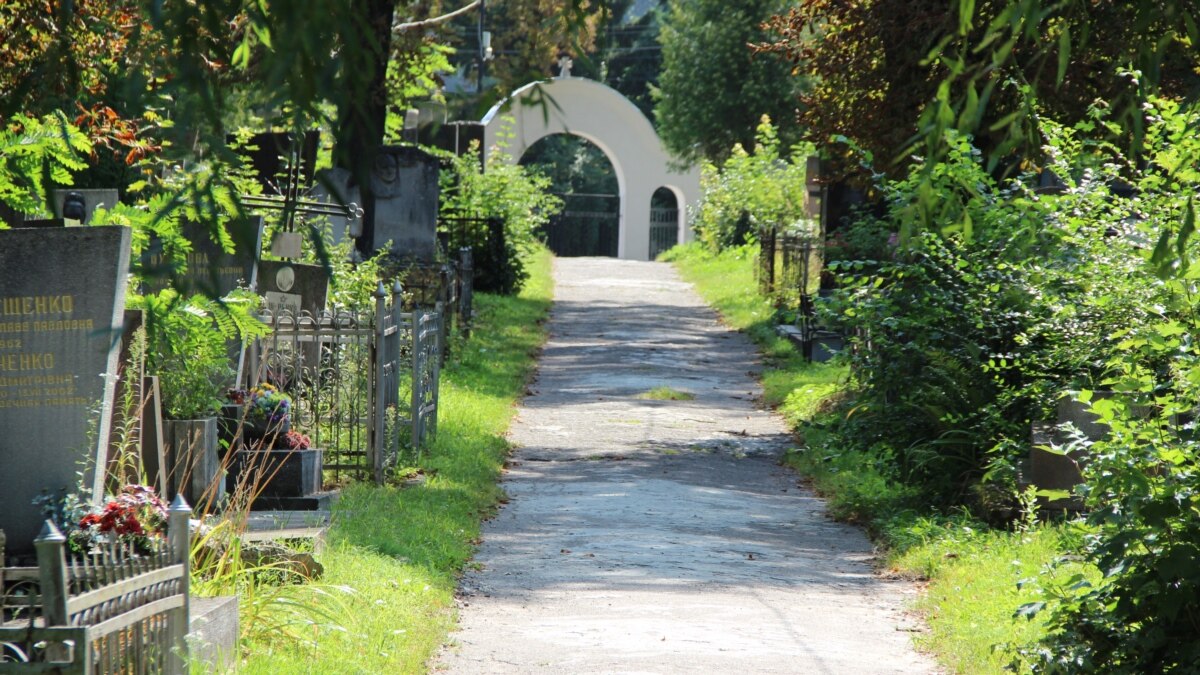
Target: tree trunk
[362, 121]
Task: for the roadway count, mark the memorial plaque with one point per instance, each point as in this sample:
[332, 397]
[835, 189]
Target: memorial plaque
[208, 269]
[62, 298]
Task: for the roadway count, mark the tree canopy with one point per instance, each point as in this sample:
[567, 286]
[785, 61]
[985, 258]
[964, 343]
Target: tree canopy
[713, 89]
[889, 73]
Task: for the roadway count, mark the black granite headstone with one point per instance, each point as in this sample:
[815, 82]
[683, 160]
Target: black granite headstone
[405, 184]
[295, 287]
[271, 154]
[208, 268]
[62, 297]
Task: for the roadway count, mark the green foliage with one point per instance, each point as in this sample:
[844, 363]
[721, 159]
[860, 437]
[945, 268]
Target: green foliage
[632, 56]
[413, 76]
[34, 155]
[966, 334]
[752, 191]
[515, 196]
[188, 335]
[883, 68]
[712, 90]
[1142, 479]
[188, 346]
[276, 600]
[977, 575]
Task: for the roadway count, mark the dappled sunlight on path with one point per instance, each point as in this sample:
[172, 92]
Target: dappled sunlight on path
[661, 536]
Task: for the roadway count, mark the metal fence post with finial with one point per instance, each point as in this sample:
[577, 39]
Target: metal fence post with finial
[378, 407]
[52, 575]
[179, 517]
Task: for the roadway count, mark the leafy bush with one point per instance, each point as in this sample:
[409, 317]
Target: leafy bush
[1142, 480]
[751, 191]
[36, 151]
[188, 341]
[506, 192]
[964, 336]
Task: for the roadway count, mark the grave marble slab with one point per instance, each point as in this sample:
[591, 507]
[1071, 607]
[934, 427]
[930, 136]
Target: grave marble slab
[62, 298]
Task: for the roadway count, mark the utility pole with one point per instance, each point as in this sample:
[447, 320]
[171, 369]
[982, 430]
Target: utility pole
[485, 48]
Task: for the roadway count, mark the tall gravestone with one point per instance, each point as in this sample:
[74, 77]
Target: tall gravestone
[405, 184]
[62, 298]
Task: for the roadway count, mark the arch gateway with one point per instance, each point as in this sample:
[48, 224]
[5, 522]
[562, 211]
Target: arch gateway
[601, 115]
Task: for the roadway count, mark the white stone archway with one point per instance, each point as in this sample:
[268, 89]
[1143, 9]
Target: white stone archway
[601, 115]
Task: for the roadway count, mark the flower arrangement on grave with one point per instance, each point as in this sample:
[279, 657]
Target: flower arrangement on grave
[267, 411]
[294, 440]
[136, 515]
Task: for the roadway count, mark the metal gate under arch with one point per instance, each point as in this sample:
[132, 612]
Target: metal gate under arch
[582, 229]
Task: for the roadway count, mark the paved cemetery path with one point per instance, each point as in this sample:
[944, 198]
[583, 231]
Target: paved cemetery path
[655, 536]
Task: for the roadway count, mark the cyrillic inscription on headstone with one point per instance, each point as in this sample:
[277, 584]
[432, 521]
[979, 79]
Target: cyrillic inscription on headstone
[62, 297]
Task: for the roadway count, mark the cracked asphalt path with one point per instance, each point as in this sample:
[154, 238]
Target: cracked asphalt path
[662, 536]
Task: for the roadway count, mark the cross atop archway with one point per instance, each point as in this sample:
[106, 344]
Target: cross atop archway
[598, 113]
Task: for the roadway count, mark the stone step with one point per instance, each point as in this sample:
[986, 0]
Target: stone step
[317, 501]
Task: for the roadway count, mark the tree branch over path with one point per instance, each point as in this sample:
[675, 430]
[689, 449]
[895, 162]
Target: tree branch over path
[401, 27]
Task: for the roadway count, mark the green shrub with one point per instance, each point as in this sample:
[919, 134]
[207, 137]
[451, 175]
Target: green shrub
[34, 153]
[188, 346]
[507, 193]
[1142, 481]
[751, 191]
[964, 336]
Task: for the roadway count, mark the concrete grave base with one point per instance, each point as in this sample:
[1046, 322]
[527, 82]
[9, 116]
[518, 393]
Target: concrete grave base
[213, 633]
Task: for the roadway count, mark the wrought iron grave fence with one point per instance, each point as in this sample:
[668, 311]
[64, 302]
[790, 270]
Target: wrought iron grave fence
[363, 384]
[113, 610]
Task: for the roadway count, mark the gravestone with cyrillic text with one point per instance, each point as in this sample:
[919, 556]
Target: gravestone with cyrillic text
[207, 268]
[62, 298]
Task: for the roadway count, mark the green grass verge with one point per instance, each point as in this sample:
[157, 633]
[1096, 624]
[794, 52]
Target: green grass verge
[974, 573]
[394, 554]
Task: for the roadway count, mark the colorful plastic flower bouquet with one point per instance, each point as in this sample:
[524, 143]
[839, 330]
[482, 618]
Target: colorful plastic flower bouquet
[136, 515]
[267, 411]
